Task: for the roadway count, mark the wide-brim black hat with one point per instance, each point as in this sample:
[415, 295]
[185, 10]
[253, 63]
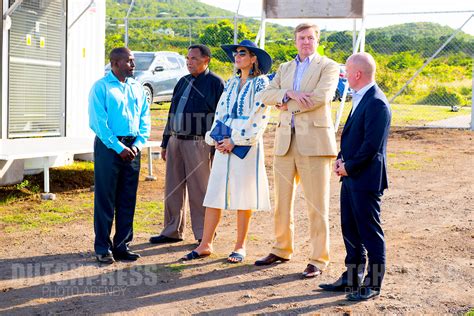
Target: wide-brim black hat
[264, 60]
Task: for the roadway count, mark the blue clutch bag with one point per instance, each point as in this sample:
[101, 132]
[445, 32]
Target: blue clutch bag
[222, 131]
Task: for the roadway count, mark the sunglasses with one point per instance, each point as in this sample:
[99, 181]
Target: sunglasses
[241, 53]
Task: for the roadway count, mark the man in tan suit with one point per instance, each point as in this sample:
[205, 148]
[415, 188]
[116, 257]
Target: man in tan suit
[305, 145]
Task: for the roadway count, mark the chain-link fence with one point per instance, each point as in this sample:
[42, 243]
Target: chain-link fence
[425, 69]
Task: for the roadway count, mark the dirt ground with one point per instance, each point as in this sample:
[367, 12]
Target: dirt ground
[427, 217]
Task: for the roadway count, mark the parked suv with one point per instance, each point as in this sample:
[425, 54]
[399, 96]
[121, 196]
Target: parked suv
[158, 72]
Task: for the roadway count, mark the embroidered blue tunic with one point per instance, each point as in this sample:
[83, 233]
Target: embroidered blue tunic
[234, 183]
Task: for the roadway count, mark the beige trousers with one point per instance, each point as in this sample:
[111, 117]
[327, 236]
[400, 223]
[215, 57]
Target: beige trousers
[188, 166]
[314, 174]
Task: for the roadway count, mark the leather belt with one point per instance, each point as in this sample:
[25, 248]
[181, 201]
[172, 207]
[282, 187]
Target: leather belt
[188, 137]
[126, 139]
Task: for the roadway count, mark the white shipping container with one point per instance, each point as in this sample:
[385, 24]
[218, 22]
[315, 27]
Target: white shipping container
[52, 52]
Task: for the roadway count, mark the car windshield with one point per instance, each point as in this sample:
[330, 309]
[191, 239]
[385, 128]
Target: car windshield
[143, 61]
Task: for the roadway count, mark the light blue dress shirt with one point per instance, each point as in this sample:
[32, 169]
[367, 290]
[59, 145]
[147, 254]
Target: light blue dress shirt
[358, 95]
[301, 67]
[119, 109]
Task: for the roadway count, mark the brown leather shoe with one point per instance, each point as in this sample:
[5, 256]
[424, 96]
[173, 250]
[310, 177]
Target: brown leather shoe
[270, 259]
[311, 271]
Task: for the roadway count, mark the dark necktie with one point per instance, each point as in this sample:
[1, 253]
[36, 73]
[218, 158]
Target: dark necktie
[178, 116]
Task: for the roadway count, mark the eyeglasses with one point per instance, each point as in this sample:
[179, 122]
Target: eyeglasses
[241, 53]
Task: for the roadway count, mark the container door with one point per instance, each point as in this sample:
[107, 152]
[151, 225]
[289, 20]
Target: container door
[36, 90]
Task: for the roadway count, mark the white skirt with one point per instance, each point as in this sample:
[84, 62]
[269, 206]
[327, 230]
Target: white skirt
[239, 184]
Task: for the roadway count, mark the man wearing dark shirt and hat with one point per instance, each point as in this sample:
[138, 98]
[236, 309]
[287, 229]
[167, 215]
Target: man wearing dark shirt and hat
[187, 156]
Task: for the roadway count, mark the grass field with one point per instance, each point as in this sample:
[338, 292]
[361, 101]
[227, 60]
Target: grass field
[403, 114]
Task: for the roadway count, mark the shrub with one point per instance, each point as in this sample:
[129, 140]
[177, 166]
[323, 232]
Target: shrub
[441, 96]
[222, 69]
[404, 60]
[467, 91]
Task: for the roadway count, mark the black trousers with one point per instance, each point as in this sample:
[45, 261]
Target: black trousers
[363, 236]
[116, 183]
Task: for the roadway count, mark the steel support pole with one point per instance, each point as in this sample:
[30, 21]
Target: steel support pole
[150, 176]
[472, 99]
[126, 22]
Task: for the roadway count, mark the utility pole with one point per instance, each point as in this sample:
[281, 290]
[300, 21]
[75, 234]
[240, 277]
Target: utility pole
[126, 22]
[236, 28]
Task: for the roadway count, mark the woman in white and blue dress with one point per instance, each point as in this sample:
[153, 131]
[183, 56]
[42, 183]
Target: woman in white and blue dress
[238, 184]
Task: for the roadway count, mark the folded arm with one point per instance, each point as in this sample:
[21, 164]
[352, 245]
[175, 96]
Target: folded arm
[321, 94]
[255, 126]
[273, 94]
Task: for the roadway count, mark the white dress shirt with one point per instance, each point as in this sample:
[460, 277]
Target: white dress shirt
[358, 95]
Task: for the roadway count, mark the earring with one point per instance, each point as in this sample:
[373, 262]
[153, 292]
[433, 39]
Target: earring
[252, 70]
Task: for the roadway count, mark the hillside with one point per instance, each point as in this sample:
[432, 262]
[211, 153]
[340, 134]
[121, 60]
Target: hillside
[172, 8]
[168, 33]
[420, 30]
[399, 49]
[195, 8]
[186, 8]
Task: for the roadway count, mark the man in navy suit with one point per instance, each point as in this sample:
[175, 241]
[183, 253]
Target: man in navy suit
[362, 166]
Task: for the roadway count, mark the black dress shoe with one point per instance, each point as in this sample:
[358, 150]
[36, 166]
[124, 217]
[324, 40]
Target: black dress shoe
[270, 259]
[126, 255]
[363, 294]
[338, 286]
[105, 259]
[160, 239]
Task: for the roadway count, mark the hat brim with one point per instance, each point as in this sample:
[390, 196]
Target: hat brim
[264, 60]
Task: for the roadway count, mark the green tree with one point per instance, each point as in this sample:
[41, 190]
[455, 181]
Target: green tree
[223, 33]
[404, 60]
[342, 40]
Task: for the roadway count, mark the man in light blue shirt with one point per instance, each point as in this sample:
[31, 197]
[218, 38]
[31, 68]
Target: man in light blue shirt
[120, 117]
[301, 66]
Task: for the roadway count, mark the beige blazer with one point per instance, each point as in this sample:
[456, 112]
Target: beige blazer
[314, 128]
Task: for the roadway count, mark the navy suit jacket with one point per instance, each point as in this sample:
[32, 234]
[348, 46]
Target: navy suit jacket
[364, 143]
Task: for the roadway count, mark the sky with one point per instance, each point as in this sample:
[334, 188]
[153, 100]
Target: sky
[253, 8]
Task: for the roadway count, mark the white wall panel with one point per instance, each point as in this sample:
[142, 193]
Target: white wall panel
[85, 55]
